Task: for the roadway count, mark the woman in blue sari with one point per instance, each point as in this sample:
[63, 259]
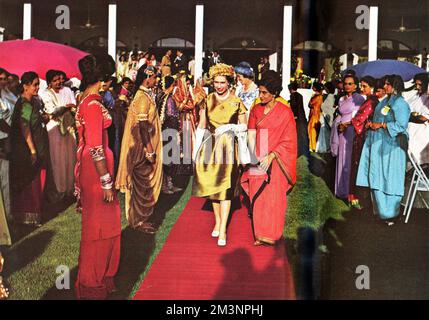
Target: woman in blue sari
[384, 155]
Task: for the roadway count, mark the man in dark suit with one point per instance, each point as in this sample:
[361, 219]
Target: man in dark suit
[297, 106]
[214, 59]
[180, 63]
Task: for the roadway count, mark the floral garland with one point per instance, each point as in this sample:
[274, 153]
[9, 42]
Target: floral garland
[162, 112]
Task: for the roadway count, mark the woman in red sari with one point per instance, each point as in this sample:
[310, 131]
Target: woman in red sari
[101, 214]
[359, 121]
[273, 140]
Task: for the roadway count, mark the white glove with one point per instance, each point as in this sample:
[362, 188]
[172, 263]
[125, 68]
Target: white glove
[239, 128]
[223, 128]
[199, 136]
[243, 150]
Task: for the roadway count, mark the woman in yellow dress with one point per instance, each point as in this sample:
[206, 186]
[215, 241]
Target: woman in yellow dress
[315, 106]
[216, 154]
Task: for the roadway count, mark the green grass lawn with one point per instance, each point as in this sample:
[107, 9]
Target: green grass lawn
[310, 203]
[31, 263]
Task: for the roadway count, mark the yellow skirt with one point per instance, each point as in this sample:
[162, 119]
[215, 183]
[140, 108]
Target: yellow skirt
[217, 169]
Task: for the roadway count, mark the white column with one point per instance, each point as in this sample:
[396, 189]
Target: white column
[287, 47]
[199, 38]
[373, 33]
[26, 31]
[2, 33]
[112, 31]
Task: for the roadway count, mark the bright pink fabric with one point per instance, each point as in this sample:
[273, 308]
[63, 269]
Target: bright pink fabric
[267, 192]
[19, 56]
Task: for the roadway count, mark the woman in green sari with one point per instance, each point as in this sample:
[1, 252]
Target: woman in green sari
[29, 154]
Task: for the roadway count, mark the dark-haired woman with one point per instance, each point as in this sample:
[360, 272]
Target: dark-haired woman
[29, 153]
[359, 122]
[326, 119]
[315, 106]
[169, 116]
[384, 154]
[140, 164]
[342, 135]
[273, 140]
[101, 214]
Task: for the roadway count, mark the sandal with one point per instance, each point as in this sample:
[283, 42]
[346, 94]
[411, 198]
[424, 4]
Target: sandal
[356, 204]
[262, 243]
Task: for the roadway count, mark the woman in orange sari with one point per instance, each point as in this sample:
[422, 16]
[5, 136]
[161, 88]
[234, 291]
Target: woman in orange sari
[188, 123]
[315, 106]
[273, 141]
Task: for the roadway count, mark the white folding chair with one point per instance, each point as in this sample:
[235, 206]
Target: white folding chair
[419, 182]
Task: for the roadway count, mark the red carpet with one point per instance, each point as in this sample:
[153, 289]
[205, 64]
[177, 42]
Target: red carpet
[191, 266]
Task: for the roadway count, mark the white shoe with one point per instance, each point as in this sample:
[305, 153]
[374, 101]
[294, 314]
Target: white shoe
[215, 234]
[221, 242]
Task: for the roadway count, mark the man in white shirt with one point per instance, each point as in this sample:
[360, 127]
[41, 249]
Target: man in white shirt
[58, 102]
[418, 127]
[191, 66]
[7, 104]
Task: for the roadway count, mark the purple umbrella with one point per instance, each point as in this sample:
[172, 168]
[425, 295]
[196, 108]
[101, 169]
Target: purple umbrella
[380, 68]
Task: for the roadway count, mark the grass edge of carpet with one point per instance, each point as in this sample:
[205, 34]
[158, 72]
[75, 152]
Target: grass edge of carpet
[319, 206]
[310, 203]
[37, 255]
[165, 229]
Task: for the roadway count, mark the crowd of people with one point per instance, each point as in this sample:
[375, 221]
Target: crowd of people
[368, 127]
[135, 131]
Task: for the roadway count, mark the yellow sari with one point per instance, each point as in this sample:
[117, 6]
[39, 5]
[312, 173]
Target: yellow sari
[139, 179]
[216, 168]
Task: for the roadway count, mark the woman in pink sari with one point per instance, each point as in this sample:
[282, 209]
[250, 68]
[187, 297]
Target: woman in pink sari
[273, 141]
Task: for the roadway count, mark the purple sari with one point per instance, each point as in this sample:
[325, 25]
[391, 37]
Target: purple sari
[342, 143]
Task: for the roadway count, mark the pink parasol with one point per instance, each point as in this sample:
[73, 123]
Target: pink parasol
[19, 56]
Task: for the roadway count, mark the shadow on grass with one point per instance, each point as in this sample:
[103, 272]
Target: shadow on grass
[138, 247]
[323, 165]
[18, 230]
[66, 294]
[25, 252]
[136, 251]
